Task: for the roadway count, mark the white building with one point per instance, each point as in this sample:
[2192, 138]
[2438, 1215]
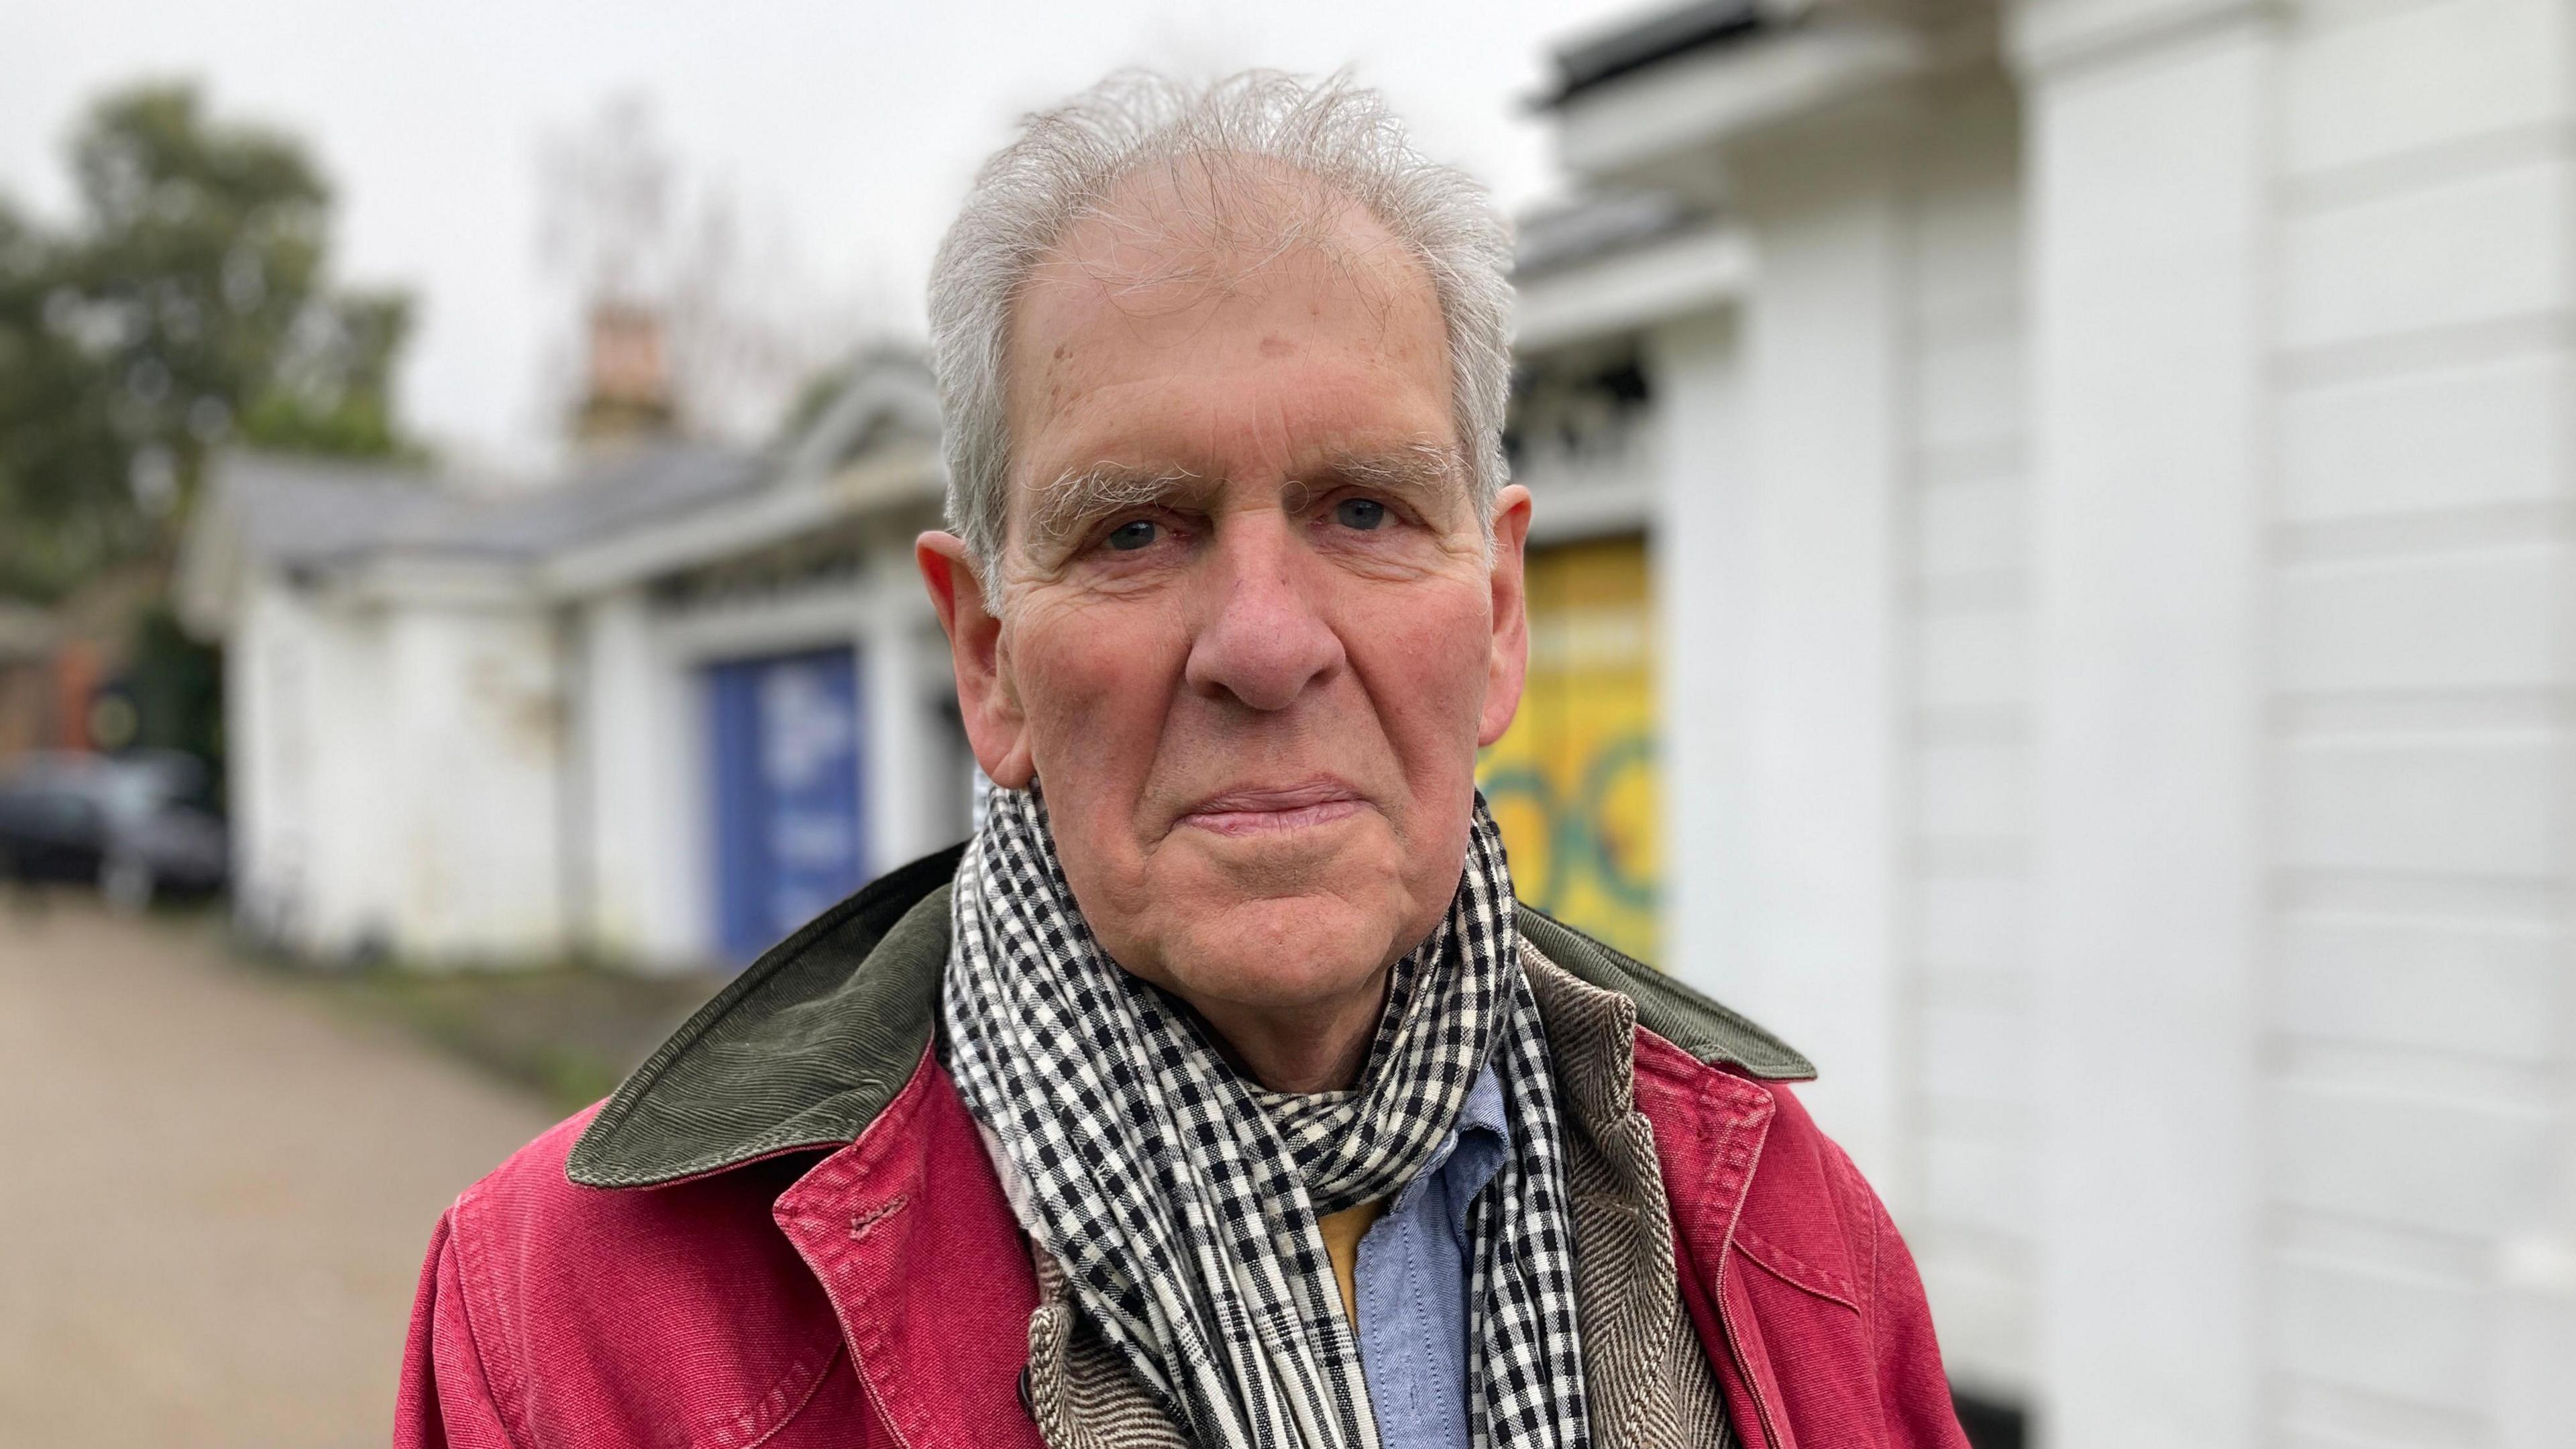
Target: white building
[2106, 478]
[661, 713]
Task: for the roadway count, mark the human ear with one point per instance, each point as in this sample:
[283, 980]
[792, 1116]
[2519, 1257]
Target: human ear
[986, 698]
[1508, 668]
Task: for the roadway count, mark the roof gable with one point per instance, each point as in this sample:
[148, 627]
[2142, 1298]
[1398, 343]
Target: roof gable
[887, 394]
[644, 507]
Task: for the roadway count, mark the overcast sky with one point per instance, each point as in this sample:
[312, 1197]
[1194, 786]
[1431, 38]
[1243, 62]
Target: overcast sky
[847, 129]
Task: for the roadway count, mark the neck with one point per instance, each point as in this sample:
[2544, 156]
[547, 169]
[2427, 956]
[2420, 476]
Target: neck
[1308, 1047]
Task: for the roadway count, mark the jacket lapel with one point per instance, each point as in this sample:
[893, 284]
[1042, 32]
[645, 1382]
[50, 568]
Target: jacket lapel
[909, 1234]
[1710, 1126]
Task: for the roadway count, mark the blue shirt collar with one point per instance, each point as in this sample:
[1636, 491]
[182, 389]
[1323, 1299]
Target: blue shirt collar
[1469, 1156]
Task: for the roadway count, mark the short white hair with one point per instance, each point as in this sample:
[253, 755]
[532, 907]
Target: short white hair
[1065, 162]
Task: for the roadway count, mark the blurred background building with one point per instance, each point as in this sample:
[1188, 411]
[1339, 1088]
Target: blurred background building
[661, 712]
[2103, 473]
[2050, 587]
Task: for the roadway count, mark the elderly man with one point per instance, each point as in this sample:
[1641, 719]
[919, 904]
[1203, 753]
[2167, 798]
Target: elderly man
[1217, 1092]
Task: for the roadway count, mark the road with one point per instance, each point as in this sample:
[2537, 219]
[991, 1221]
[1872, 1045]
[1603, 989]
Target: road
[214, 1190]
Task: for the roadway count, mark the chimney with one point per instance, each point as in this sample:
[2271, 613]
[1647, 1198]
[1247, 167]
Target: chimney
[627, 397]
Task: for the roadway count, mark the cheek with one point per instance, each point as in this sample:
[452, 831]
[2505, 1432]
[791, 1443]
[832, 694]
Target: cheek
[1425, 658]
[1093, 676]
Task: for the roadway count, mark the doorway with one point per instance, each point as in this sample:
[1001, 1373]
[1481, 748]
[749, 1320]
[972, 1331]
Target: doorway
[790, 800]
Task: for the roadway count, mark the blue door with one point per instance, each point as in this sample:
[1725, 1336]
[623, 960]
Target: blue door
[788, 810]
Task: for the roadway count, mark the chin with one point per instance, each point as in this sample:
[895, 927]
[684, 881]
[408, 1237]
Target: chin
[1277, 952]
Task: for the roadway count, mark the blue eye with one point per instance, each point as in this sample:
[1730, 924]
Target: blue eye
[1132, 535]
[1360, 513]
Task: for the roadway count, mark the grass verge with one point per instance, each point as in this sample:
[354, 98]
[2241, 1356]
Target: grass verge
[567, 1031]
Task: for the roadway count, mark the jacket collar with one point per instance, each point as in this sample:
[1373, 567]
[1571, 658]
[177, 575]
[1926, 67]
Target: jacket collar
[812, 1042]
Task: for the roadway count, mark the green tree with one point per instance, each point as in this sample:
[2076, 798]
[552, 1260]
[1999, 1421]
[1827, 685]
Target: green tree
[185, 305]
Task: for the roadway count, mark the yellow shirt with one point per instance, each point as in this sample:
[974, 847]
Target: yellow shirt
[1342, 1233]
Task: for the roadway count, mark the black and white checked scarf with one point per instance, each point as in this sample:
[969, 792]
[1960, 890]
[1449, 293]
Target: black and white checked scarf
[1181, 1197]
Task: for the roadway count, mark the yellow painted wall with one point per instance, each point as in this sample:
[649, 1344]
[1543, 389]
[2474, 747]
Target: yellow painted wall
[1575, 784]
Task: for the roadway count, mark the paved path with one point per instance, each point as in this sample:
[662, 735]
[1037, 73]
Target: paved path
[214, 1191]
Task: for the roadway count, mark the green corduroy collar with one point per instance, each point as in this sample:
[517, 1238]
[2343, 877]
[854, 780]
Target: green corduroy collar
[809, 1044]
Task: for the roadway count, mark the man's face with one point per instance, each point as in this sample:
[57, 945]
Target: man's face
[1252, 634]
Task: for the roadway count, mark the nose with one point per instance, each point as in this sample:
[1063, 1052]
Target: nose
[1263, 637]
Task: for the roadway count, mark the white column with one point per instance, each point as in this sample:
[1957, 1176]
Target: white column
[1702, 538]
[2536, 1389]
[903, 761]
[1822, 447]
[2147, 135]
[634, 726]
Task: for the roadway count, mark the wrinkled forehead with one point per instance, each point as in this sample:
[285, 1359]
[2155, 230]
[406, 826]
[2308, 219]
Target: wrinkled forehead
[1181, 266]
[1184, 249]
[1214, 223]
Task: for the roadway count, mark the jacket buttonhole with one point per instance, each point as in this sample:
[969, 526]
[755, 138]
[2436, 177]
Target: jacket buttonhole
[860, 1224]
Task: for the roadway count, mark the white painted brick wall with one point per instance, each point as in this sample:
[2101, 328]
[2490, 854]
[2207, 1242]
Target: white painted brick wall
[2409, 1155]
[1971, 527]
[2411, 1338]
[1972, 789]
[2469, 806]
[2480, 619]
[1971, 923]
[2464, 249]
[1966, 550]
[1980, 1184]
[474, 759]
[1971, 388]
[1979, 1281]
[2478, 988]
[2364, 83]
[321, 870]
[1973, 660]
[2418, 1005]
[2480, 433]
[1977, 1052]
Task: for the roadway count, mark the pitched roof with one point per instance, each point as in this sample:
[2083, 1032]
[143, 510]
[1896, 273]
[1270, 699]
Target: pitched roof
[319, 512]
[1701, 25]
[302, 514]
[1590, 227]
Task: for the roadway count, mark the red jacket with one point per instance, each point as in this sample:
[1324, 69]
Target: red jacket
[706, 1268]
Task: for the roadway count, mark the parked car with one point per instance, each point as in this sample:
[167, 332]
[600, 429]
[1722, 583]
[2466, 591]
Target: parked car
[128, 824]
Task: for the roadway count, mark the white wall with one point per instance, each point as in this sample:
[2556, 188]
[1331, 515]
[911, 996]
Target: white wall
[2418, 689]
[394, 776]
[459, 777]
[267, 814]
[2305, 394]
[2220, 449]
[919, 783]
[1810, 634]
[1969, 1118]
[639, 791]
[1842, 548]
[1701, 554]
[1842, 555]
[306, 714]
[470, 741]
[2146, 197]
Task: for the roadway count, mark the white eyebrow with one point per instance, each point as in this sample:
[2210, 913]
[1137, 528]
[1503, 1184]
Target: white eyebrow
[1083, 494]
[1423, 469]
[1080, 495]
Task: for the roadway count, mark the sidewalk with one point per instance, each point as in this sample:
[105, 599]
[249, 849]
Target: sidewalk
[214, 1192]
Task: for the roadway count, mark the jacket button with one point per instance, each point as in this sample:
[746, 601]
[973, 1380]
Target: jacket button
[1027, 1400]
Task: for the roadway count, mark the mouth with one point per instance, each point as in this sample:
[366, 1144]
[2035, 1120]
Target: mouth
[1260, 810]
